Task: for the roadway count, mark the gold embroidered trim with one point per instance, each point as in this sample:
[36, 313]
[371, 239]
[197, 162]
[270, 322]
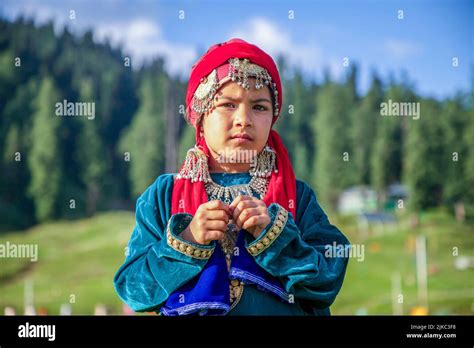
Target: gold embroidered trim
[271, 235]
[186, 248]
[236, 288]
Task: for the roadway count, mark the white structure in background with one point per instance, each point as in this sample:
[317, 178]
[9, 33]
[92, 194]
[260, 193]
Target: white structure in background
[397, 191]
[100, 309]
[357, 199]
[422, 271]
[29, 298]
[65, 309]
[464, 262]
[30, 310]
[397, 295]
[9, 311]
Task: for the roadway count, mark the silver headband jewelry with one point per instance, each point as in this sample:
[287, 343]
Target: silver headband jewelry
[240, 70]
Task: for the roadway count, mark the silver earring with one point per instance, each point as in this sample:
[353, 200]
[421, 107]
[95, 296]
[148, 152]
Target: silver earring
[266, 163]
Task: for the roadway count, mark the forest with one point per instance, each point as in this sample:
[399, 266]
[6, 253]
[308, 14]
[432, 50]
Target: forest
[128, 128]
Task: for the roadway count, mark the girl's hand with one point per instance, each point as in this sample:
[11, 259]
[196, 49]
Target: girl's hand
[208, 224]
[251, 214]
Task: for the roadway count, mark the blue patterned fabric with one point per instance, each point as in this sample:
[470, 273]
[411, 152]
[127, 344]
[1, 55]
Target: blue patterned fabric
[244, 268]
[207, 294]
[290, 277]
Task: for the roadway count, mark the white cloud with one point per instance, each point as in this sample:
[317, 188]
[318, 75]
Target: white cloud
[400, 49]
[40, 13]
[336, 68]
[142, 39]
[276, 41]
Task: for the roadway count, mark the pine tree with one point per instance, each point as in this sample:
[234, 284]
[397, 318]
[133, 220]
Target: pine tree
[14, 173]
[90, 152]
[468, 173]
[144, 139]
[386, 158]
[333, 150]
[454, 121]
[424, 157]
[303, 146]
[364, 121]
[43, 158]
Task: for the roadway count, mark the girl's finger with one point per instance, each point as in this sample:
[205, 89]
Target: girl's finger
[215, 235]
[239, 199]
[245, 214]
[217, 205]
[217, 215]
[218, 225]
[256, 220]
[242, 206]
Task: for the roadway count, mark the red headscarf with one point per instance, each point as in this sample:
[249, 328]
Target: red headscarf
[187, 195]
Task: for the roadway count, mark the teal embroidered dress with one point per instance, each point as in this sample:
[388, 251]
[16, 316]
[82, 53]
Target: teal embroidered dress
[292, 275]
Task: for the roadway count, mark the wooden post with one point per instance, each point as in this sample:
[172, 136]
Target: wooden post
[421, 271]
[29, 298]
[397, 305]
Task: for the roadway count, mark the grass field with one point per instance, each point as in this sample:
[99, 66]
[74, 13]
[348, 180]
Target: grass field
[367, 287]
[78, 259]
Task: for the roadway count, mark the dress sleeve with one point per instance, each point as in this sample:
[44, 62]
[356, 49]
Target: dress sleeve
[157, 260]
[301, 253]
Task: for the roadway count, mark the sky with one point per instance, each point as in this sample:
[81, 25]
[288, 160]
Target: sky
[417, 39]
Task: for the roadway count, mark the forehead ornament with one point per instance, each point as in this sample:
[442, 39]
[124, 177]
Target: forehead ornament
[240, 70]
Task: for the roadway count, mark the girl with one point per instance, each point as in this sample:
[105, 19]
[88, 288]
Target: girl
[233, 232]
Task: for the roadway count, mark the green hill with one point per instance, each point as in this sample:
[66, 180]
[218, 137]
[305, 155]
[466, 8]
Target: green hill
[78, 259]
